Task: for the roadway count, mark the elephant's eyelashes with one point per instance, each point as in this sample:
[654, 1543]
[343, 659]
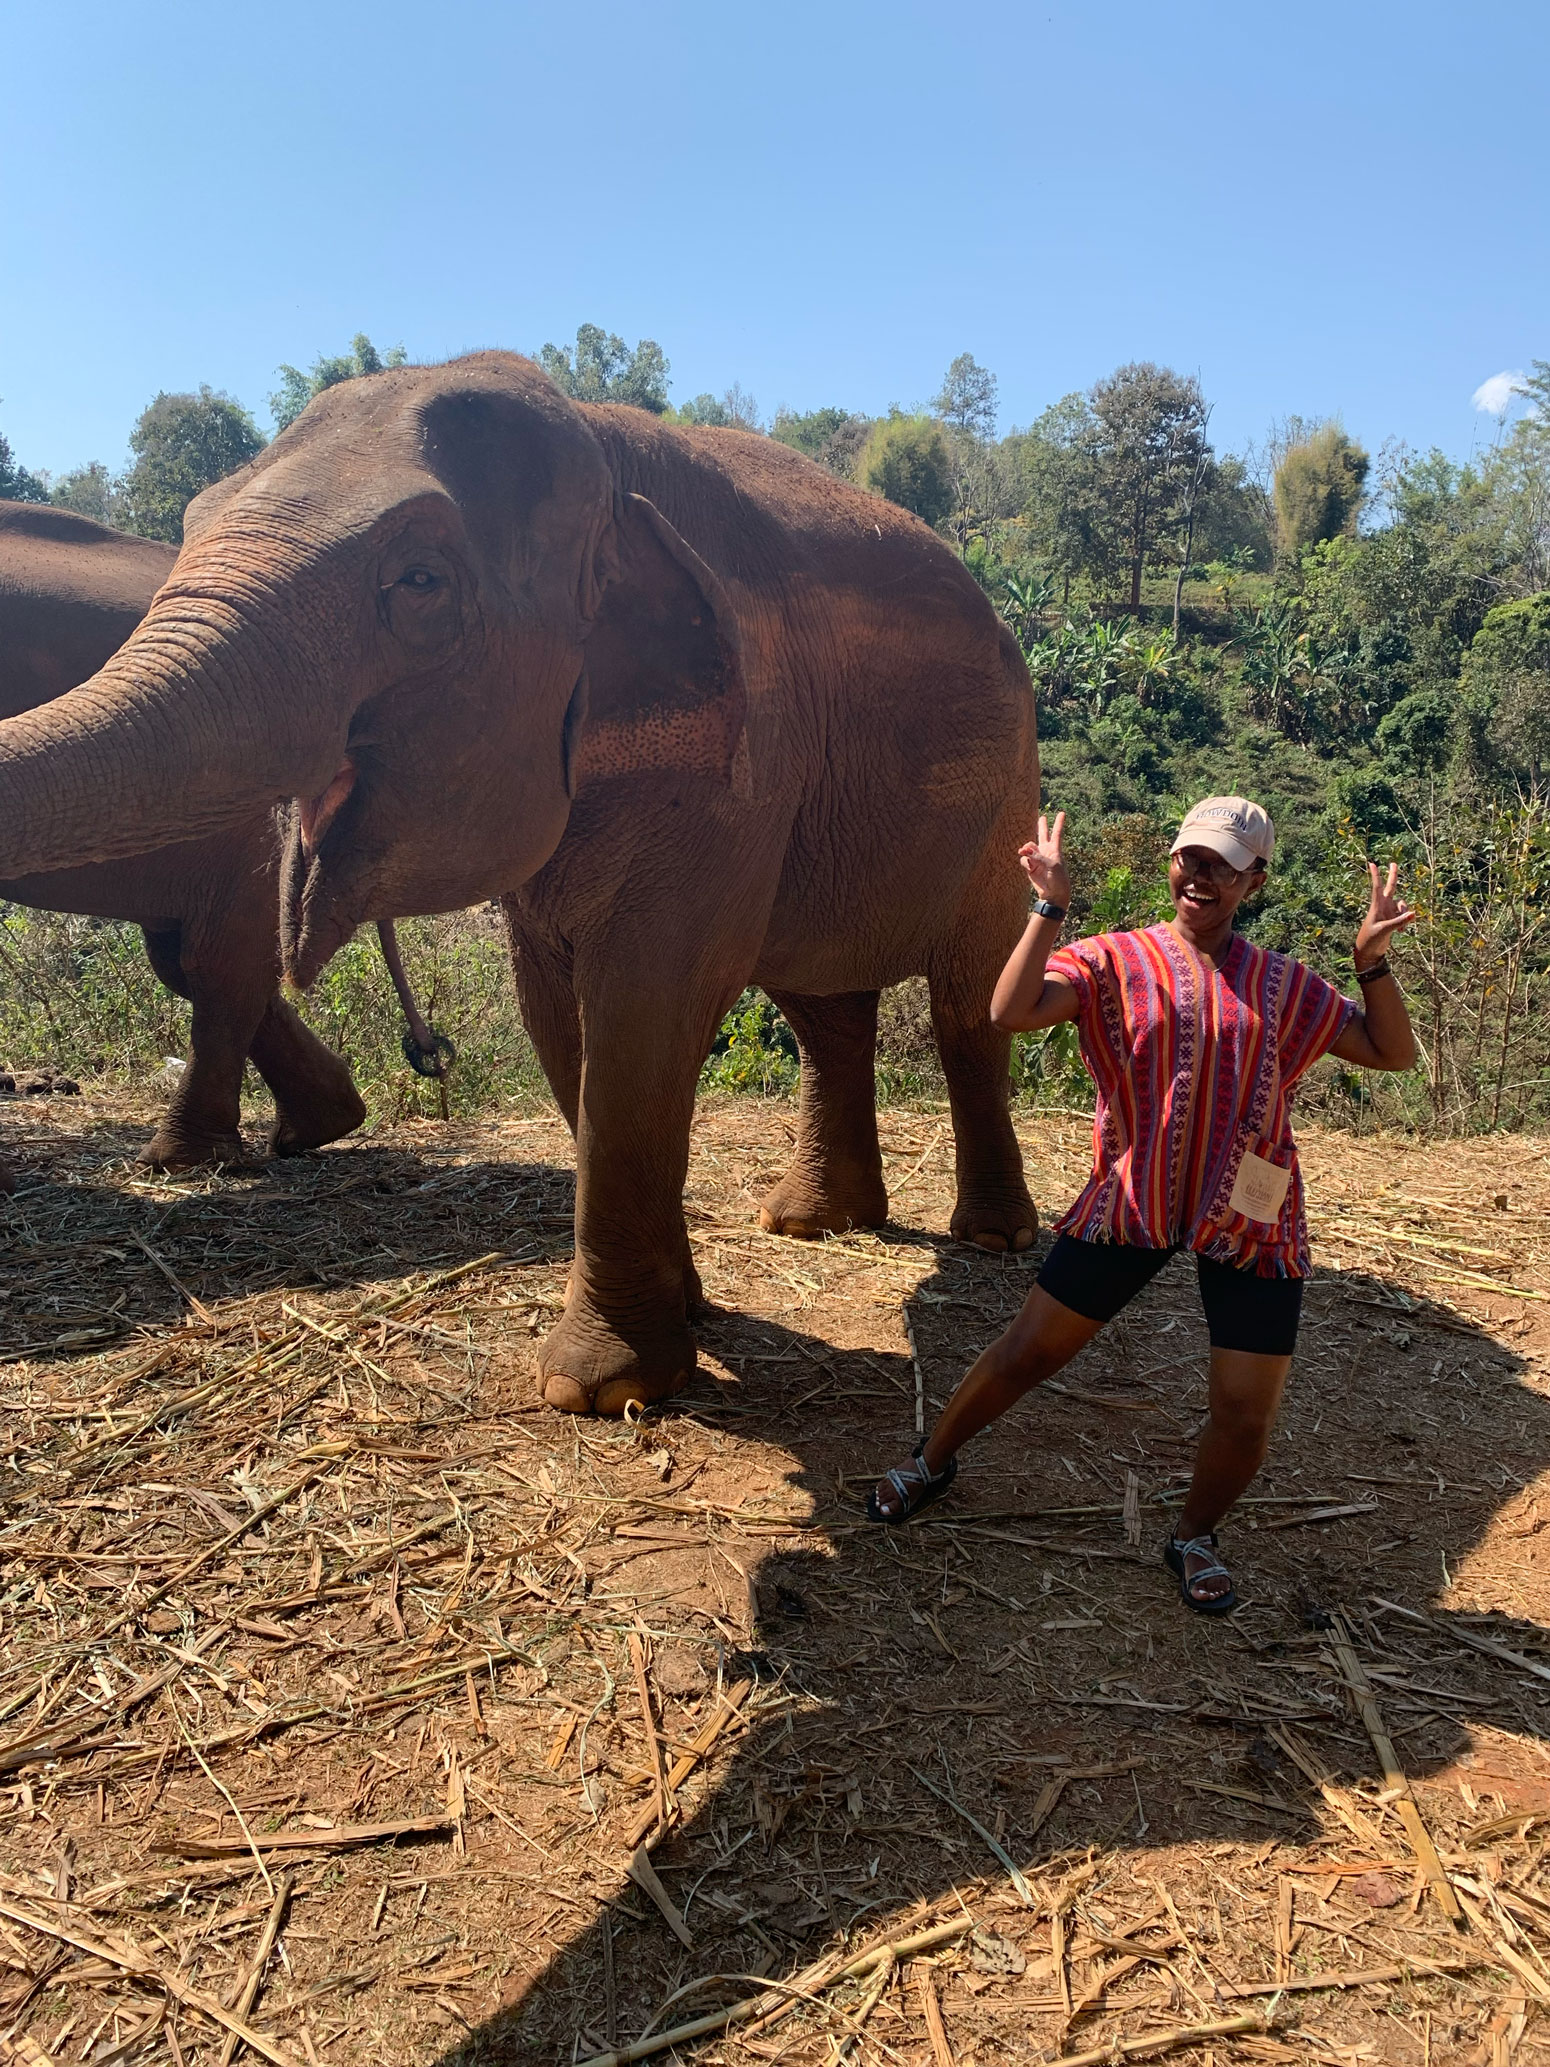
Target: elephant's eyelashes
[421, 607]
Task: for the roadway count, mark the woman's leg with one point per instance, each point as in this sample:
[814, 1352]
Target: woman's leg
[1253, 1323]
[1096, 1279]
[1245, 1396]
[1041, 1341]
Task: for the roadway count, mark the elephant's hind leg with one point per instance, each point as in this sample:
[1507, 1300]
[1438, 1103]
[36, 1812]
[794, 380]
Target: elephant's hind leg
[836, 1175]
[994, 1208]
[314, 1094]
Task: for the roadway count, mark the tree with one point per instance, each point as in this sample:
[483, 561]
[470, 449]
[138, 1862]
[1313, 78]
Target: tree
[17, 484]
[1506, 677]
[604, 369]
[967, 399]
[982, 490]
[1233, 524]
[736, 410]
[1318, 489]
[297, 389]
[907, 461]
[183, 444]
[834, 437]
[1054, 467]
[1149, 435]
[91, 491]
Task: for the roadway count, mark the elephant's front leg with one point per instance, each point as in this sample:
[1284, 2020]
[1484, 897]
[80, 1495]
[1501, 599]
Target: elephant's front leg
[624, 1334]
[202, 1120]
[546, 991]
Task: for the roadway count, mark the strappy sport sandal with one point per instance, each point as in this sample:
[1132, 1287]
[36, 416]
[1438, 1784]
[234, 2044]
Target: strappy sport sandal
[916, 1485]
[1176, 1556]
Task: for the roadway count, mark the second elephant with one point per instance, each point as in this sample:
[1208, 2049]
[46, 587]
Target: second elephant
[71, 592]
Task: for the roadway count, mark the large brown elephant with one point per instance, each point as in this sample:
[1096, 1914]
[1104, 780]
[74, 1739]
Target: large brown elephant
[704, 715]
[71, 592]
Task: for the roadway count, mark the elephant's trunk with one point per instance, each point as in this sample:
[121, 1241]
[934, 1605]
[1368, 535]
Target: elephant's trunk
[201, 719]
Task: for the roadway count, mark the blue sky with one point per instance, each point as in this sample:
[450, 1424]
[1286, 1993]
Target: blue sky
[1321, 208]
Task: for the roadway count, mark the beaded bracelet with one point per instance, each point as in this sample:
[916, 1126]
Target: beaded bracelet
[1379, 968]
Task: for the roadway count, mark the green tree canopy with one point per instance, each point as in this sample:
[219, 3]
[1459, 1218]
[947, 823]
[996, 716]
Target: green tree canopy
[17, 484]
[1507, 678]
[1149, 441]
[603, 368]
[1318, 488]
[297, 389]
[906, 460]
[834, 437]
[967, 399]
[91, 491]
[183, 444]
[736, 410]
[1055, 468]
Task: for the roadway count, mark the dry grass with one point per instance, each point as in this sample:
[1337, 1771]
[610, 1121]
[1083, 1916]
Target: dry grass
[338, 1682]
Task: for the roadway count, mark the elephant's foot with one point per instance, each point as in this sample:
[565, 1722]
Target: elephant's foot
[304, 1124]
[587, 1365]
[996, 1216]
[696, 1305]
[808, 1202]
[174, 1147]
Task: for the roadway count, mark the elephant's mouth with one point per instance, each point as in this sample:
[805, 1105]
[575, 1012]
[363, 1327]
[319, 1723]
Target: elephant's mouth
[313, 924]
[316, 814]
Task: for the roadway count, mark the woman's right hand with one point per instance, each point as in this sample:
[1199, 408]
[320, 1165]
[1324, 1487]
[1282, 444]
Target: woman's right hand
[1043, 864]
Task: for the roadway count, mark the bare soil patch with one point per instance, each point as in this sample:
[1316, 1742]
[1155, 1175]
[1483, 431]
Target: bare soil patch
[338, 1680]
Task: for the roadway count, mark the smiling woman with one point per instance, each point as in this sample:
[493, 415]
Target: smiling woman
[1195, 1041]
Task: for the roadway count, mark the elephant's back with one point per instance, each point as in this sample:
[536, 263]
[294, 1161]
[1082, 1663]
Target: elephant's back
[888, 705]
[71, 592]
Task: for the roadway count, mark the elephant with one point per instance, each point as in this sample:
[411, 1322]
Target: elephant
[699, 713]
[71, 592]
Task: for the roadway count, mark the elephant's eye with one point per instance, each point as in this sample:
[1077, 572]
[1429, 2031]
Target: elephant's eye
[419, 580]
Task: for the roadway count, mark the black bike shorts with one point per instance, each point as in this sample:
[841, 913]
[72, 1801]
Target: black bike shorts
[1243, 1311]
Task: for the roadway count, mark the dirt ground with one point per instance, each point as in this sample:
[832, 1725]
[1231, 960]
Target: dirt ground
[340, 1683]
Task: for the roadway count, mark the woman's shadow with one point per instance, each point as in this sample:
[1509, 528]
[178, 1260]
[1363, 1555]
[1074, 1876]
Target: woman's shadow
[908, 1685]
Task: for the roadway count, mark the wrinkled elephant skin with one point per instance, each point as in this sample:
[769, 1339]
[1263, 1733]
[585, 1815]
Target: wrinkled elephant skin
[71, 592]
[700, 713]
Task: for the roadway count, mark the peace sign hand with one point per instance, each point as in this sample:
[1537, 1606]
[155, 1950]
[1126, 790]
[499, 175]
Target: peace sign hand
[1386, 916]
[1042, 863]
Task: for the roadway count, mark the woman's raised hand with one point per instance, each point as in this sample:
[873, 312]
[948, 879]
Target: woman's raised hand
[1042, 863]
[1386, 915]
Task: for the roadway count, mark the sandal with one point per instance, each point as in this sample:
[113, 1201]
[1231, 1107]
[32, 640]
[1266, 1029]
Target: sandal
[916, 1484]
[1176, 1556]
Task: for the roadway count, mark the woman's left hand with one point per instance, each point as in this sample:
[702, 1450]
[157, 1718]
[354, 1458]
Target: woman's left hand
[1386, 915]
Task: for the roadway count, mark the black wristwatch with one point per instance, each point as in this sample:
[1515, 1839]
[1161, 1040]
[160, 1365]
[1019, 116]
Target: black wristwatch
[1041, 908]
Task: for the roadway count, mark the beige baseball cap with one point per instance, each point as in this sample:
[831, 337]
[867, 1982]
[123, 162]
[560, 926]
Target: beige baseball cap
[1234, 827]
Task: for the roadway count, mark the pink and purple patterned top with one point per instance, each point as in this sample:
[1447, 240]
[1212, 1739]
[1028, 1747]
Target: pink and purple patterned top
[1194, 1068]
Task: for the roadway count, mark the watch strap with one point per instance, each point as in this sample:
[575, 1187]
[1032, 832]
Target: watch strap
[1043, 909]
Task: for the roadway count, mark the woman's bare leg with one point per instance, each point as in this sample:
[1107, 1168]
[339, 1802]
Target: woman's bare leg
[1245, 1398]
[1041, 1341]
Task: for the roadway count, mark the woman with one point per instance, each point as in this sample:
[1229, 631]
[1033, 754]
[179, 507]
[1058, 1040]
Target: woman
[1194, 1039]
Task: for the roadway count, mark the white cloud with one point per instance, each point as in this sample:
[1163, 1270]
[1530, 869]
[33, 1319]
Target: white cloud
[1493, 395]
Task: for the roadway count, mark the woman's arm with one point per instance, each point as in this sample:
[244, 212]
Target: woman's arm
[1380, 1036]
[1025, 999]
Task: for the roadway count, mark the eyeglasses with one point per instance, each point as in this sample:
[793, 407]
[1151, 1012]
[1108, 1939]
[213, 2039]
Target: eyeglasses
[1200, 861]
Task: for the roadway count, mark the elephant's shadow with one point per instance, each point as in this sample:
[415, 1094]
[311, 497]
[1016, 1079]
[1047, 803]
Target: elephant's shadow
[350, 1218]
[954, 1653]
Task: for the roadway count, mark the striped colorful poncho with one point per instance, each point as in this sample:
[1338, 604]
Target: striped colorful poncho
[1194, 1068]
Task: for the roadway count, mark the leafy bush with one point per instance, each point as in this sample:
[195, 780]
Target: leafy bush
[755, 1051]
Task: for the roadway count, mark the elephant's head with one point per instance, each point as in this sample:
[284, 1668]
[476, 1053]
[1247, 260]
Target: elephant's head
[426, 612]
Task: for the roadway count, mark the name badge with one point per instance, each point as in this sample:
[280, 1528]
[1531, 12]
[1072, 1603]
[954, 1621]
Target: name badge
[1259, 1191]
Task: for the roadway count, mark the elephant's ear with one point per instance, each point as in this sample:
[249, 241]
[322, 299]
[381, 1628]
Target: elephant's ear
[663, 681]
